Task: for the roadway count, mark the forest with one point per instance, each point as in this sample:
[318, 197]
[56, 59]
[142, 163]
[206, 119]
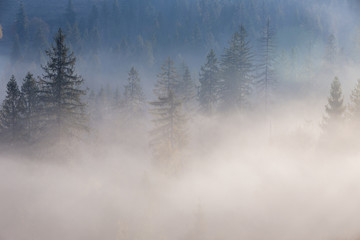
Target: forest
[181, 119]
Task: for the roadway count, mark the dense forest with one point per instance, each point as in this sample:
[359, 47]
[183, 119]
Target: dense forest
[181, 119]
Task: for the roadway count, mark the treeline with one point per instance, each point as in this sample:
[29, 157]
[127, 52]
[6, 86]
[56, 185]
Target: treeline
[138, 29]
[54, 105]
[338, 114]
[50, 107]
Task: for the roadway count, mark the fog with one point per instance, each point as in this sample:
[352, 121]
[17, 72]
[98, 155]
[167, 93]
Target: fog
[242, 174]
[235, 182]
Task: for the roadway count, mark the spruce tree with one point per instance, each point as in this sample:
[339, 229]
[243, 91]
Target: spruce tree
[335, 108]
[186, 89]
[61, 90]
[266, 78]
[354, 106]
[167, 79]
[31, 107]
[11, 113]
[209, 81]
[237, 72]
[134, 98]
[168, 135]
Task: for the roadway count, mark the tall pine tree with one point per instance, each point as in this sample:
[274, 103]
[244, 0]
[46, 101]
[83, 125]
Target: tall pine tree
[134, 98]
[186, 89]
[61, 90]
[354, 106]
[11, 113]
[335, 108]
[168, 135]
[237, 72]
[167, 79]
[31, 107]
[209, 83]
[266, 79]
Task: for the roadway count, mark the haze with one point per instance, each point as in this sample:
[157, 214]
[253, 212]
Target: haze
[189, 120]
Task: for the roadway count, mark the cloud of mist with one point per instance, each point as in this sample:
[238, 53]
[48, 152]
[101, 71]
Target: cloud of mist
[240, 179]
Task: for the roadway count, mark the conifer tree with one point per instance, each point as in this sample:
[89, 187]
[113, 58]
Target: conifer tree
[266, 78]
[237, 72]
[354, 106]
[31, 106]
[335, 108]
[209, 81]
[168, 135]
[11, 113]
[61, 90]
[134, 98]
[167, 79]
[186, 88]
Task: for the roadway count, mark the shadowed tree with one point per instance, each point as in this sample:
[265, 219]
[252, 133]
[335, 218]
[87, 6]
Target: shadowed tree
[134, 99]
[167, 79]
[209, 83]
[11, 113]
[31, 107]
[335, 108]
[61, 91]
[266, 78]
[354, 106]
[168, 135]
[186, 89]
[237, 72]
